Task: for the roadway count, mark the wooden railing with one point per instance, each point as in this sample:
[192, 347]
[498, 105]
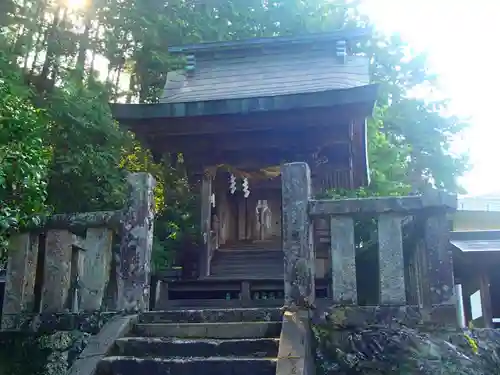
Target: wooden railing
[419, 273]
[68, 264]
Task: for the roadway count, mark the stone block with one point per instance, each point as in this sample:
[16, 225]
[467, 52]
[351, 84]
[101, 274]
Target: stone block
[96, 268]
[344, 289]
[57, 270]
[391, 263]
[295, 354]
[19, 295]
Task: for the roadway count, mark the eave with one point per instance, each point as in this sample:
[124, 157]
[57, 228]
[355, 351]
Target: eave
[138, 112]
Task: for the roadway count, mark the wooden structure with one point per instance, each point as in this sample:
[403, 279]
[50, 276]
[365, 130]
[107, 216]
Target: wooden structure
[475, 243]
[239, 108]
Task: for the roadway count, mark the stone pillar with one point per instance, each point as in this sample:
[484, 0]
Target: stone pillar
[134, 264]
[440, 268]
[391, 263]
[343, 252]
[297, 235]
[19, 294]
[57, 270]
[96, 268]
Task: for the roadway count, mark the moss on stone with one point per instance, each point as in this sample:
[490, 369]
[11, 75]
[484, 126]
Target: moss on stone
[49, 354]
[375, 350]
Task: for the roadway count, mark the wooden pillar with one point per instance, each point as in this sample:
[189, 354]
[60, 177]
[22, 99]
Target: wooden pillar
[134, 266]
[390, 254]
[484, 283]
[297, 236]
[19, 294]
[206, 215]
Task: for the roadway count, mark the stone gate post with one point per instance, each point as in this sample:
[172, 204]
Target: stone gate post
[297, 235]
[134, 263]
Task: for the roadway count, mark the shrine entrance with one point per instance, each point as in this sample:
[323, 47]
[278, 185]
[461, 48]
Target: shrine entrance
[246, 214]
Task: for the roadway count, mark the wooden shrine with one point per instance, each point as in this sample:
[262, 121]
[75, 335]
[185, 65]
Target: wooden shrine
[239, 110]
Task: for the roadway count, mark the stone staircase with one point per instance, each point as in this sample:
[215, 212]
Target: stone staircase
[247, 263]
[209, 342]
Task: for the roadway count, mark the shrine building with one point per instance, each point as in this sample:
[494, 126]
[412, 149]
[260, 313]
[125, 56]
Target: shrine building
[239, 110]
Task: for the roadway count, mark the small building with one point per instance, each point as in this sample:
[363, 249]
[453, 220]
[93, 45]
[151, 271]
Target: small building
[475, 242]
[236, 112]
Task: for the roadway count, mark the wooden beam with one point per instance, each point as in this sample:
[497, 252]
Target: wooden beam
[284, 120]
[258, 158]
[298, 139]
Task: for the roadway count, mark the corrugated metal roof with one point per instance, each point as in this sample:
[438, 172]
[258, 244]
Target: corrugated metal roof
[265, 73]
[477, 246]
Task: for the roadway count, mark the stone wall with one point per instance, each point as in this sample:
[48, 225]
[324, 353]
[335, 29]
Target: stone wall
[392, 349]
[52, 349]
[49, 354]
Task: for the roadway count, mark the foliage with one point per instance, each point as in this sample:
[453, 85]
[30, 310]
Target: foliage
[88, 147]
[24, 156]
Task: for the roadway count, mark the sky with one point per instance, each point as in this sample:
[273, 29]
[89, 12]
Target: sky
[458, 36]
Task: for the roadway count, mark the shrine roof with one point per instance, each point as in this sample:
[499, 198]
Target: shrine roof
[267, 67]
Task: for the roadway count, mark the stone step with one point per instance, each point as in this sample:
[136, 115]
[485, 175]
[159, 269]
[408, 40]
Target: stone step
[249, 263]
[211, 315]
[252, 254]
[248, 268]
[226, 330]
[252, 258]
[186, 366]
[165, 347]
[196, 304]
[243, 273]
